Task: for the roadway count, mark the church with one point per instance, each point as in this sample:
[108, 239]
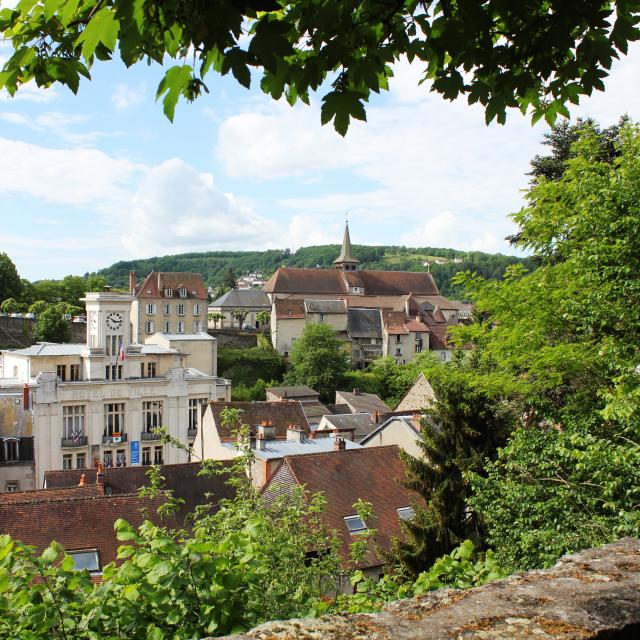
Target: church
[376, 313]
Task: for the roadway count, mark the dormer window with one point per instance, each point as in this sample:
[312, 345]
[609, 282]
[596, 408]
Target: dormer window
[183, 293]
[168, 293]
[355, 524]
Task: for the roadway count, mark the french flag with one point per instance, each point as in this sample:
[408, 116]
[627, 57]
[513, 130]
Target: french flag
[120, 350]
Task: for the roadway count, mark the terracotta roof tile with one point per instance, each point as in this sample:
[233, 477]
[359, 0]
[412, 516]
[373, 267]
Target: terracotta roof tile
[46, 495]
[280, 414]
[301, 281]
[371, 474]
[290, 308]
[154, 285]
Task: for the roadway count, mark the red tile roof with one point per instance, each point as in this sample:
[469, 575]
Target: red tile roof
[43, 495]
[438, 337]
[390, 283]
[416, 325]
[394, 323]
[77, 523]
[290, 308]
[294, 280]
[154, 285]
[280, 414]
[372, 474]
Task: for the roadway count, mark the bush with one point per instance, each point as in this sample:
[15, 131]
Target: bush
[246, 366]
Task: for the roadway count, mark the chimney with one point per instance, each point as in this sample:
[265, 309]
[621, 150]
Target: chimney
[100, 474]
[285, 394]
[356, 392]
[376, 416]
[132, 281]
[25, 397]
[266, 430]
[159, 287]
[260, 442]
[295, 433]
[83, 480]
[339, 444]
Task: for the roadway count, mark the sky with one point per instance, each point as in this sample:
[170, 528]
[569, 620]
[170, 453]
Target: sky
[102, 176]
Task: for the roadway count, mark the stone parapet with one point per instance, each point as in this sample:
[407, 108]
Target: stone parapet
[591, 594]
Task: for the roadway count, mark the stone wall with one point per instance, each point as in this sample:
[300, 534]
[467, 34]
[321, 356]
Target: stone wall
[592, 594]
[234, 339]
[15, 333]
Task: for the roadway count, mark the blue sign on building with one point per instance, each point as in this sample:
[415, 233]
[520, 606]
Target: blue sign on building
[135, 452]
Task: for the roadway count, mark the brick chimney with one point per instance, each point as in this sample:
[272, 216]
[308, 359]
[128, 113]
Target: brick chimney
[266, 430]
[100, 474]
[25, 398]
[376, 416]
[83, 480]
[260, 442]
[132, 281]
[295, 433]
[339, 444]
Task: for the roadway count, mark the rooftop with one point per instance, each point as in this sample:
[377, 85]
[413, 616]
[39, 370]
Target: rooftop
[238, 298]
[157, 282]
[293, 392]
[276, 449]
[361, 402]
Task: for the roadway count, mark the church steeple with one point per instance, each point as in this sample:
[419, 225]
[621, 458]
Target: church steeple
[345, 260]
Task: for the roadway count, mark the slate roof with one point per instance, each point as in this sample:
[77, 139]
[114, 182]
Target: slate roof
[293, 392]
[276, 449]
[281, 414]
[362, 402]
[364, 323]
[77, 523]
[239, 298]
[182, 479]
[49, 349]
[154, 285]
[372, 474]
[325, 306]
[361, 423]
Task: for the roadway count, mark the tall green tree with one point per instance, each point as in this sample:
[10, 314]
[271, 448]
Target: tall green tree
[464, 427]
[10, 283]
[51, 325]
[480, 50]
[318, 360]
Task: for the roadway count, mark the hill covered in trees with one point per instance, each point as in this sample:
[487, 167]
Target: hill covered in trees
[444, 263]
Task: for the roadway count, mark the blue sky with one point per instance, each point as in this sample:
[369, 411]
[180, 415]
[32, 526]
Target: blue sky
[103, 176]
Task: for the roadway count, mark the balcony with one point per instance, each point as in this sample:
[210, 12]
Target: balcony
[192, 433]
[115, 439]
[150, 435]
[77, 441]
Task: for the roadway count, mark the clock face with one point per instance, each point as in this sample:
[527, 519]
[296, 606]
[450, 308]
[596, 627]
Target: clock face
[114, 321]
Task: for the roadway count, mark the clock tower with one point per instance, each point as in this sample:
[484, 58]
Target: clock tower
[108, 334]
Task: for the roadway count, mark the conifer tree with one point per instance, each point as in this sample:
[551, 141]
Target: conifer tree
[464, 427]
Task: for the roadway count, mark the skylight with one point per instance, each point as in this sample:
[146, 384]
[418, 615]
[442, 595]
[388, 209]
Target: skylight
[86, 559]
[355, 524]
[406, 513]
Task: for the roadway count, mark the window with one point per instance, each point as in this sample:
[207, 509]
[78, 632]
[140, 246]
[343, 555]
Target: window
[418, 347]
[81, 461]
[183, 293]
[398, 351]
[12, 486]
[107, 458]
[151, 309]
[151, 415]
[398, 338]
[194, 403]
[197, 326]
[73, 421]
[167, 309]
[67, 461]
[113, 344]
[121, 458]
[168, 294]
[61, 371]
[148, 326]
[180, 327]
[87, 559]
[180, 309]
[166, 327]
[196, 309]
[148, 370]
[406, 513]
[355, 524]
[113, 418]
[158, 458]
[12, 450]
[146, 456]
[113, 372]
[74, 372]
[443, 356]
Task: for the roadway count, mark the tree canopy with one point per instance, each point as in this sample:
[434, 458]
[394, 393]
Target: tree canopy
[532, 55]
[10, 283]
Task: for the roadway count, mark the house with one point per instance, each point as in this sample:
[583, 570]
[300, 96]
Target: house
[374, 475]
[357, 303]
[402, 431]
[351, 426]
[167, 302]
[361, 402]
[17, 467]
[103, 400]
[245, 301]
[420, 396]
[300, 393]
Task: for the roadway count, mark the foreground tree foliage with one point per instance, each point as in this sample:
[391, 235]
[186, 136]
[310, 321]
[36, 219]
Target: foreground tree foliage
[534, 54]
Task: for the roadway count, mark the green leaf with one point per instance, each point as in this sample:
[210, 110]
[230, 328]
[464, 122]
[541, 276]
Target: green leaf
[102, 28]
[174, 83]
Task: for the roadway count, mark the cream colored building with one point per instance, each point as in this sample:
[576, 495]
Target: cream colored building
[170, 302]
[103, 400]
[403, 431]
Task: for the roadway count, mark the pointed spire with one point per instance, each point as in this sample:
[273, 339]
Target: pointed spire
[346, 260]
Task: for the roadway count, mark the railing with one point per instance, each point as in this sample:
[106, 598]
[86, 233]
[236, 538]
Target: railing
[115, 439]
[150, 435]
[78, 441]
[192, 433]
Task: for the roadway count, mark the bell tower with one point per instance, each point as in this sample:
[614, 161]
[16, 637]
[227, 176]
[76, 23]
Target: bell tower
[346, 261]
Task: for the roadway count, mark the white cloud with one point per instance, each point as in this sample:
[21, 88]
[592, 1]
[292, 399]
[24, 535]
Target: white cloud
[125, 96]
[305, 230]
[176, 209]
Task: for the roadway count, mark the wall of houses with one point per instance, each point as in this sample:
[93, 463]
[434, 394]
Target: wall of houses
[285, 332]
[21, 475]
[165, 318]
[396, 432]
